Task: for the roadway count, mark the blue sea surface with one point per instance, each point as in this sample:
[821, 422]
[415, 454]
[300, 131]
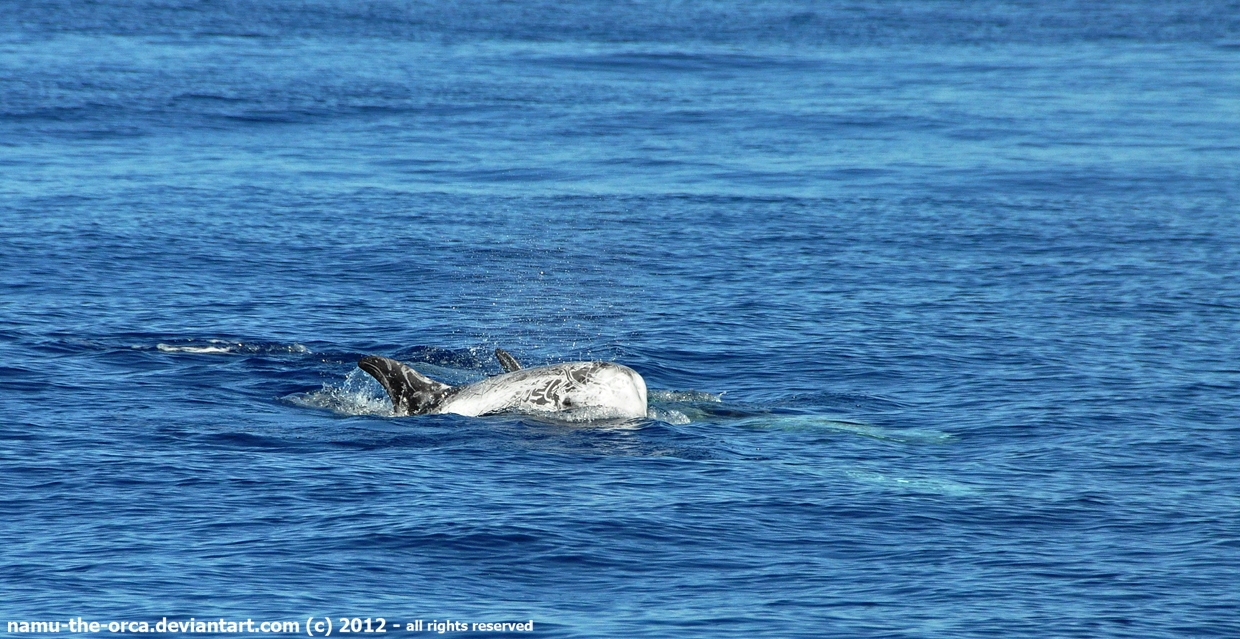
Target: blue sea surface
[938, 303]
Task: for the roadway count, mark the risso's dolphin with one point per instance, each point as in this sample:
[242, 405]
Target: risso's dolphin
[577, 390]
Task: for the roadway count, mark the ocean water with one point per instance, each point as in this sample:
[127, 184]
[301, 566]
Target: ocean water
[938, 303]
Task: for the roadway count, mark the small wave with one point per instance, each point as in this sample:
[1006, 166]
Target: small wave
[194, 349]
[215, 346]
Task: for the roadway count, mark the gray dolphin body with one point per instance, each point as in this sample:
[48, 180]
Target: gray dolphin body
[582, 390]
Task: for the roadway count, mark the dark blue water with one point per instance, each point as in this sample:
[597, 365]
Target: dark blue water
[937, 301]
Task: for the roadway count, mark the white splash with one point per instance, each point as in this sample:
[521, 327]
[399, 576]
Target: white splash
[359, 394]
[666, 396]
[669, 415]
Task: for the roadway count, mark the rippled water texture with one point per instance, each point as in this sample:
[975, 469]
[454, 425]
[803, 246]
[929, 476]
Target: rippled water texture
[937, 304]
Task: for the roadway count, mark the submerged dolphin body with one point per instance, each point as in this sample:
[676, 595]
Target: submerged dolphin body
[585, 390]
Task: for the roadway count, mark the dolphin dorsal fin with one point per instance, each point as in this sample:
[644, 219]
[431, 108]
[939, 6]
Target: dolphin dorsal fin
[412, 393]
[506, 360]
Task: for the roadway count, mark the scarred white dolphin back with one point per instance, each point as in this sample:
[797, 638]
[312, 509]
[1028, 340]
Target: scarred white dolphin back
[574, 390]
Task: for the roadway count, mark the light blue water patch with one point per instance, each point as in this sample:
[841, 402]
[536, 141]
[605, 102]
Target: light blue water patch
[827, 424]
